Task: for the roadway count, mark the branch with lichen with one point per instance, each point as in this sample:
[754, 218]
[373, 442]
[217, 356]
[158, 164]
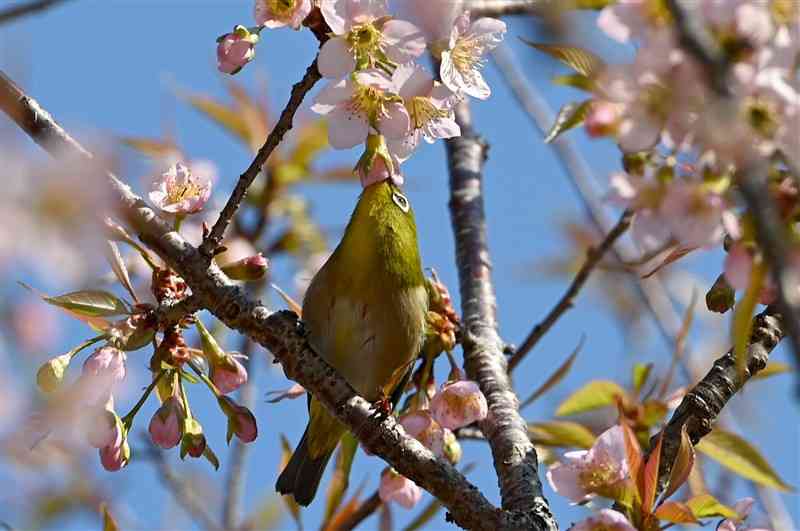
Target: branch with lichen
[514, 456]
[282, 333]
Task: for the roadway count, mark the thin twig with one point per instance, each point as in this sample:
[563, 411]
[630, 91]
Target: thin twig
[282, 333]
[593, 256]
[514, 456]
[752, 181]
[212, 240]
[364, 511]
[26, 8]
[183, 493]
[501, 8]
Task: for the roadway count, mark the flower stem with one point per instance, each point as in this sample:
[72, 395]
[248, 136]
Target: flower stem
[85, 344]
[127, 420]
[205, 378]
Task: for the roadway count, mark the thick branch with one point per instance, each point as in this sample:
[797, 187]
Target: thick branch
[27, 8]
[752, 181]
[299, 91]
[593, 257]
[702, 405]
[514, 456]
[282, 333]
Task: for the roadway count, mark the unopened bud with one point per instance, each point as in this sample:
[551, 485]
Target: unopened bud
[452, 448]
[241, 421]
[721, 297]
[376, 163]
[51, 374]
[249, 268]
[193, 441]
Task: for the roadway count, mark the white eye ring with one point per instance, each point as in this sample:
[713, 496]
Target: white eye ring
[401, 201]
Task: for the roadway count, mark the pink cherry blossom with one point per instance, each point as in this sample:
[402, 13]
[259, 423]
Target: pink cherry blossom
[633, 19]
[458, 404]
[739, 19]
[743, 508]
[115, 456]
[364, 37]
[421, 425]
[179, 191]
[693, 214]
[463, 60]
[102, 370]
[241, 421]
[435, 18]
[738, 269]
[583, 472]
[429, 105]
[166, 426]
[399, 489]
[355, 106]
[602, 119]
[228, 374]
[103, 427]
[604, 520]
[236, 49]
[279, 13]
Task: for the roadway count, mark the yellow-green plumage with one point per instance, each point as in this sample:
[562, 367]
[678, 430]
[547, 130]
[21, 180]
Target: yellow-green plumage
[365, 315]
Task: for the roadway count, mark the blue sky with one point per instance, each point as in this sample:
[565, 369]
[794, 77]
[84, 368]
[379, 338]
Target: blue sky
[112, 68]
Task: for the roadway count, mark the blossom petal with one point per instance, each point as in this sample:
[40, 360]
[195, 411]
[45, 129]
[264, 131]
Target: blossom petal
[404, 41]
[335, 58]
[396, 122]
[412, 80]
[332, 95]
[346, 129]
[565, 480]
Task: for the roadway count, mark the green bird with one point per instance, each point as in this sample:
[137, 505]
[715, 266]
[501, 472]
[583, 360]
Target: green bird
[365, 315]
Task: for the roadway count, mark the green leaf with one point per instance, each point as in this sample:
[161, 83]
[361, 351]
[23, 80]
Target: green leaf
[152, 147]
[641, 372]
[120, 270]
[591, 4]
[739, 456]
[570, 115]
[209, 454]
[337, 486]
[582, 61]
[577, 81]
[90, 303]
[109, 524]
[676, 512]
[773, 368]
[653, 412]
[594, 395]
[707, 506]
[742, 322]
[556, 377]
[229, 118]
[561, 433]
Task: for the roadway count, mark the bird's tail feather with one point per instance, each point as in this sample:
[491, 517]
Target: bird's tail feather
[303, 473]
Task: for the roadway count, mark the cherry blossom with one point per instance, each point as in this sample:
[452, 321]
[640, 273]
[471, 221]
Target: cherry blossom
[114, 457]
[421, 425]
[102, 370]
[365, 38]
[354, 106]
[429, 106]
[604, 520]
[236, 49]
[633, 19]
[179, 191]
[458, 404]
[279, 13]
[693, 214]
[462, 61]
[398, 489]
[584, 472]
[241, 421]
[743, 508]
[103, 427]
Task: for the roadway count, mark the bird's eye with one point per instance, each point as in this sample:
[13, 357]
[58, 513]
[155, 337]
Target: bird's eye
[401, 201]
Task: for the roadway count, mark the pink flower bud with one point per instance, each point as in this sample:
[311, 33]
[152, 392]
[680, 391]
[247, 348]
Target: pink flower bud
[249, 268]
[228, 374]
[241, 421]
[115, 457]
[104, 427]
[421, 425]
[458, 404]
[102, 370]
[602, 118]
[236, 49]
[166, 426]
[398, 489]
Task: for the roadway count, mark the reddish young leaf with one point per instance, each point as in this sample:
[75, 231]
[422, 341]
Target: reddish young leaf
[633, 450]
[675, 512]
[649, 477]
[682, 466]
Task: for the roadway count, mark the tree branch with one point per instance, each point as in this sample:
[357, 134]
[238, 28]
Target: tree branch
[515, 458]
[23, 9]
[212, 240]
[282, 334]
[593, 257]
[367, 507]
[700, 408]
[500, 8]
[752, 181]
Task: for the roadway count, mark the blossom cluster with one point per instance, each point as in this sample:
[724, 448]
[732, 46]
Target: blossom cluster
[377, 95]
[685, 146]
